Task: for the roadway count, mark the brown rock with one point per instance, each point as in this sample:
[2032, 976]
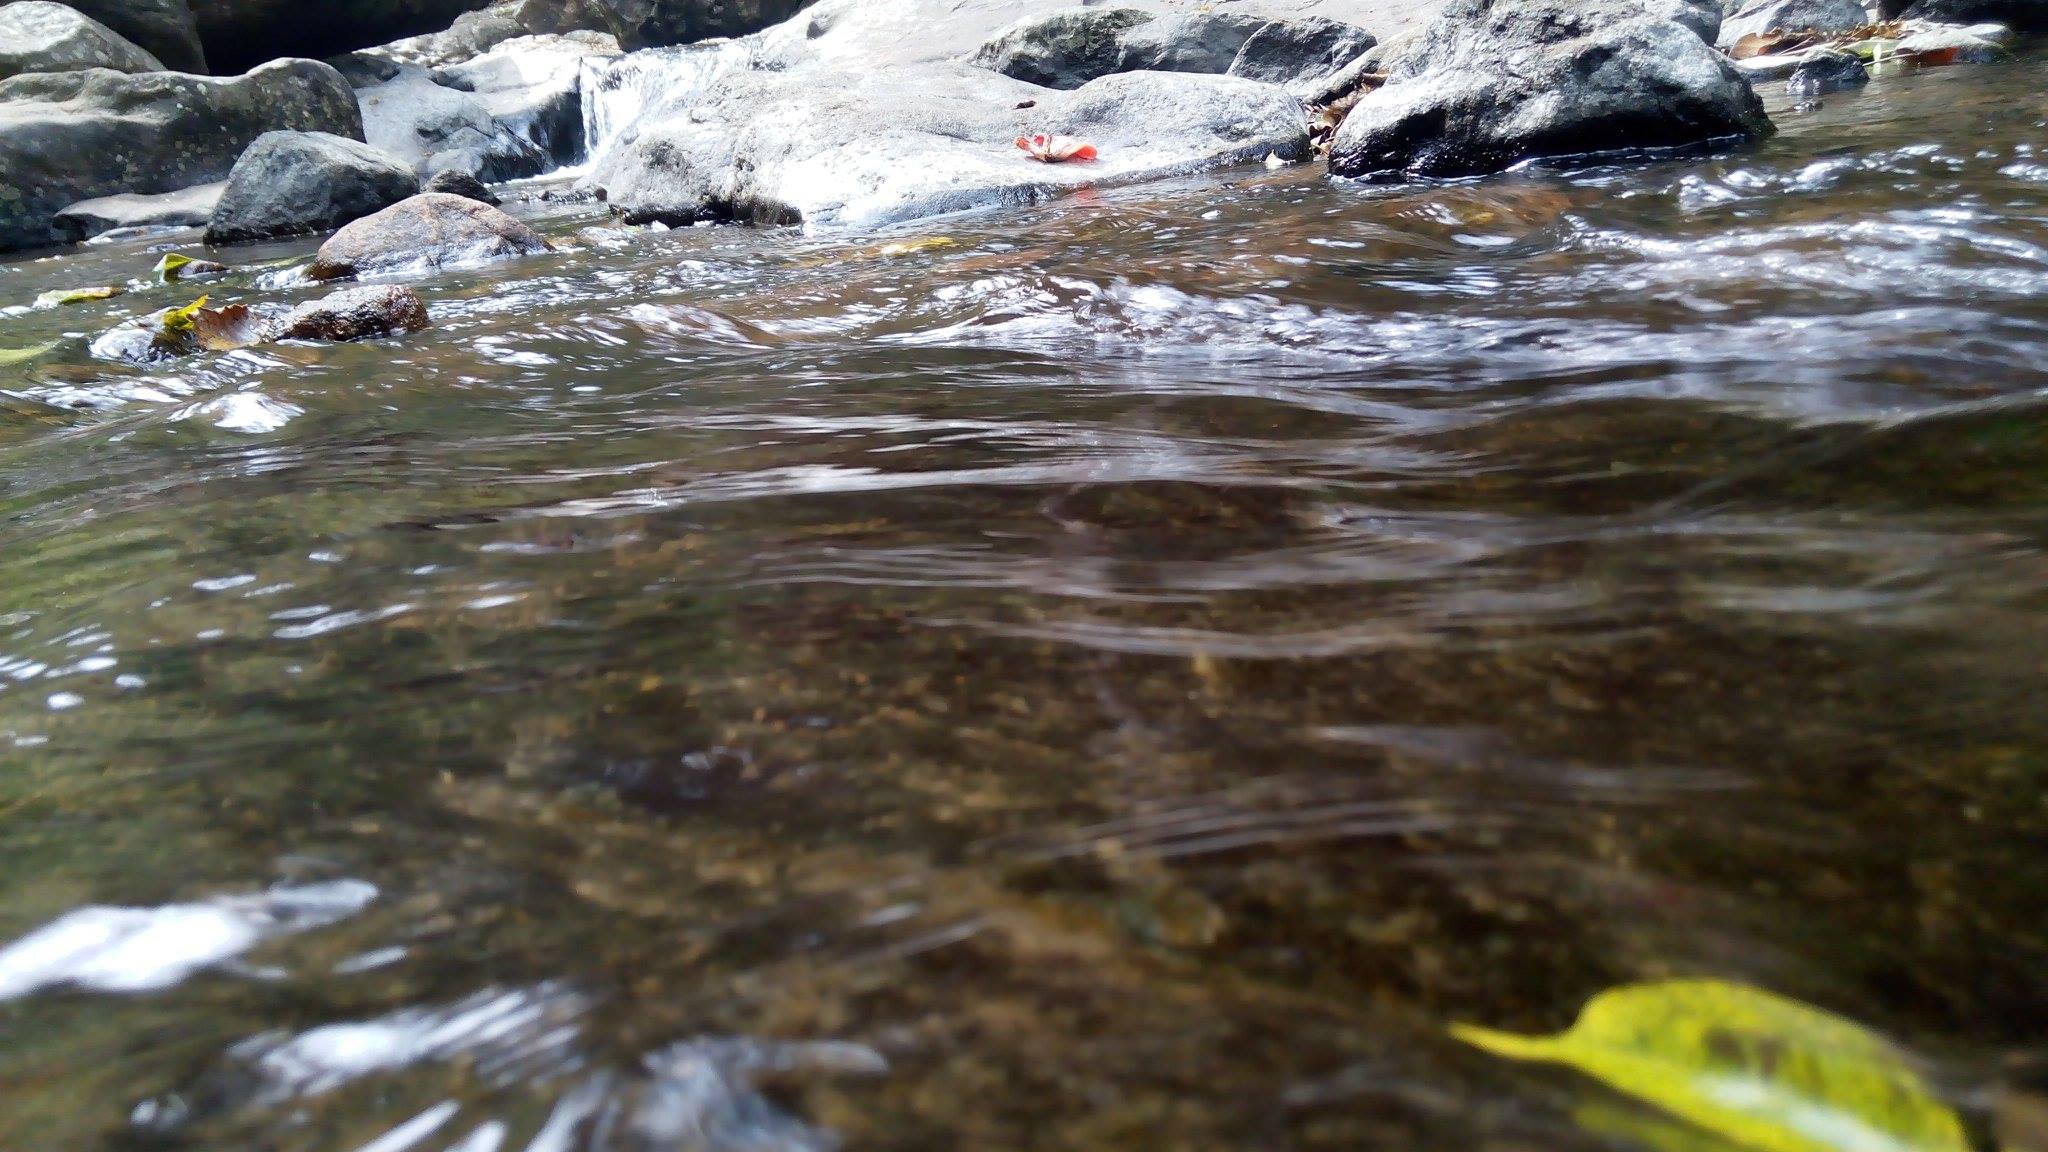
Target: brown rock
[427, 232]
[356, 314]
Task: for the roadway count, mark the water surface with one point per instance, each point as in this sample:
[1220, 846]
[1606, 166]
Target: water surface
[1122, 675]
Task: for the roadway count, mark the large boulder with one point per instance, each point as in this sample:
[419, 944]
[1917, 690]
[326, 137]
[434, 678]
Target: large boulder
[1063, 49]
[1302, 54]
[163, 28]
[186, 208]
[533, 86]
[298, 183]
[861, 147]
[658, 23]
[430, 231]
[2025, 15]
[71, 136]
[38, 36]
[1760, 16]
[1496, 82]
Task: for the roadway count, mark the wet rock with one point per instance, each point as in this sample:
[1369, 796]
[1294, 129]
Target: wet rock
[1301, 54]
[141, 340]
[298, 183]
[1761, 16]
[865, 147]
[1820, 73]
[460, 184]
[430, 231]
[185, 208]
[435, 128]
[532, 87]
[2024, 15]
[355, 314]
[38, 36]
[1063, 49]
[666, 786]
[72, 136]
[1956, 44]
[1497, 82]
[163, 28]
[1199, 42]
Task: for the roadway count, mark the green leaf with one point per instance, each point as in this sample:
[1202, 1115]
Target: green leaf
[176, 266]
[179, 321]
[12, 356]
[61, 297]
[171, 267]
[1756, 1069]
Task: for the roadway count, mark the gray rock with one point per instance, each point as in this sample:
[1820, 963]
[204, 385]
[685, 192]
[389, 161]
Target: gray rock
[242, 33]
[355, 314]
[163, 28]
[1497, 82]
[430, 231]
[1760, 16]
[1063, 49]
[1822, 72]
[460, 184]
[513, 112]
[186, 208]
[38, 36]
[298, 183]
[1301, 54]
[1199, 42]
[1972, 44]
[2025, 15]
[660, 23]
[862, 147]
[72, 136]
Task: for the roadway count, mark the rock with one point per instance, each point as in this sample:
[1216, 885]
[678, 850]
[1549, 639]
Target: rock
[435, 128]
[355, 314]
[296, 183]
[138, 341]
[186, 208]
[460, 184]
[1301, 54]
[1775, 67]
[163, 28]
[1794, 16]
[1821, 72]
[430, 231]
[72, 136]
[2024, 15]
[861, 147]
[513, 112]
[1063, 49]
[1497, 82]
[37, 36]
[532, 86]
[1199, 42]
[1975, 44]
[660, 23]
[242, 33]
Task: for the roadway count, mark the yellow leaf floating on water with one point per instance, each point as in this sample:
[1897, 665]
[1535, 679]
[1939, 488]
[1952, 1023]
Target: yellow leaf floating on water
[63, 296]
[1753, 1068]
[179, 321]
[176, 266]
[12, 356]
[921, 244]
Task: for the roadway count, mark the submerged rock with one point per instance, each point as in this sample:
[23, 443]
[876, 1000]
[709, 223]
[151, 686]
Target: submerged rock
[460, 184]
[38, 36]
[186, 208]
[163, 28]
[67, 137]
[1497, 82]
[296, 183]
[1760, 16]
[355, 314]
[429, 231]
[1301, 54]
[1820, 73]
[1063, 49]
[861, 147]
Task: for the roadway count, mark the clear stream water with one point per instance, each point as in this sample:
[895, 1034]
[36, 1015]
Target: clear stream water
[1127, 676]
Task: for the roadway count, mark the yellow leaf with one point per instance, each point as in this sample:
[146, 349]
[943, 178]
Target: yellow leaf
[171, 267]
[65, 296]
[179, 321]
[13, 356]
[1754, 1068]
[921, 244]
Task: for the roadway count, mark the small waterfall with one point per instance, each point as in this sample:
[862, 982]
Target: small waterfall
[621, 91]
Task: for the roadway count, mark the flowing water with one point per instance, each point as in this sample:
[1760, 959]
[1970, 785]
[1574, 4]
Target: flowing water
[1126, 674]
